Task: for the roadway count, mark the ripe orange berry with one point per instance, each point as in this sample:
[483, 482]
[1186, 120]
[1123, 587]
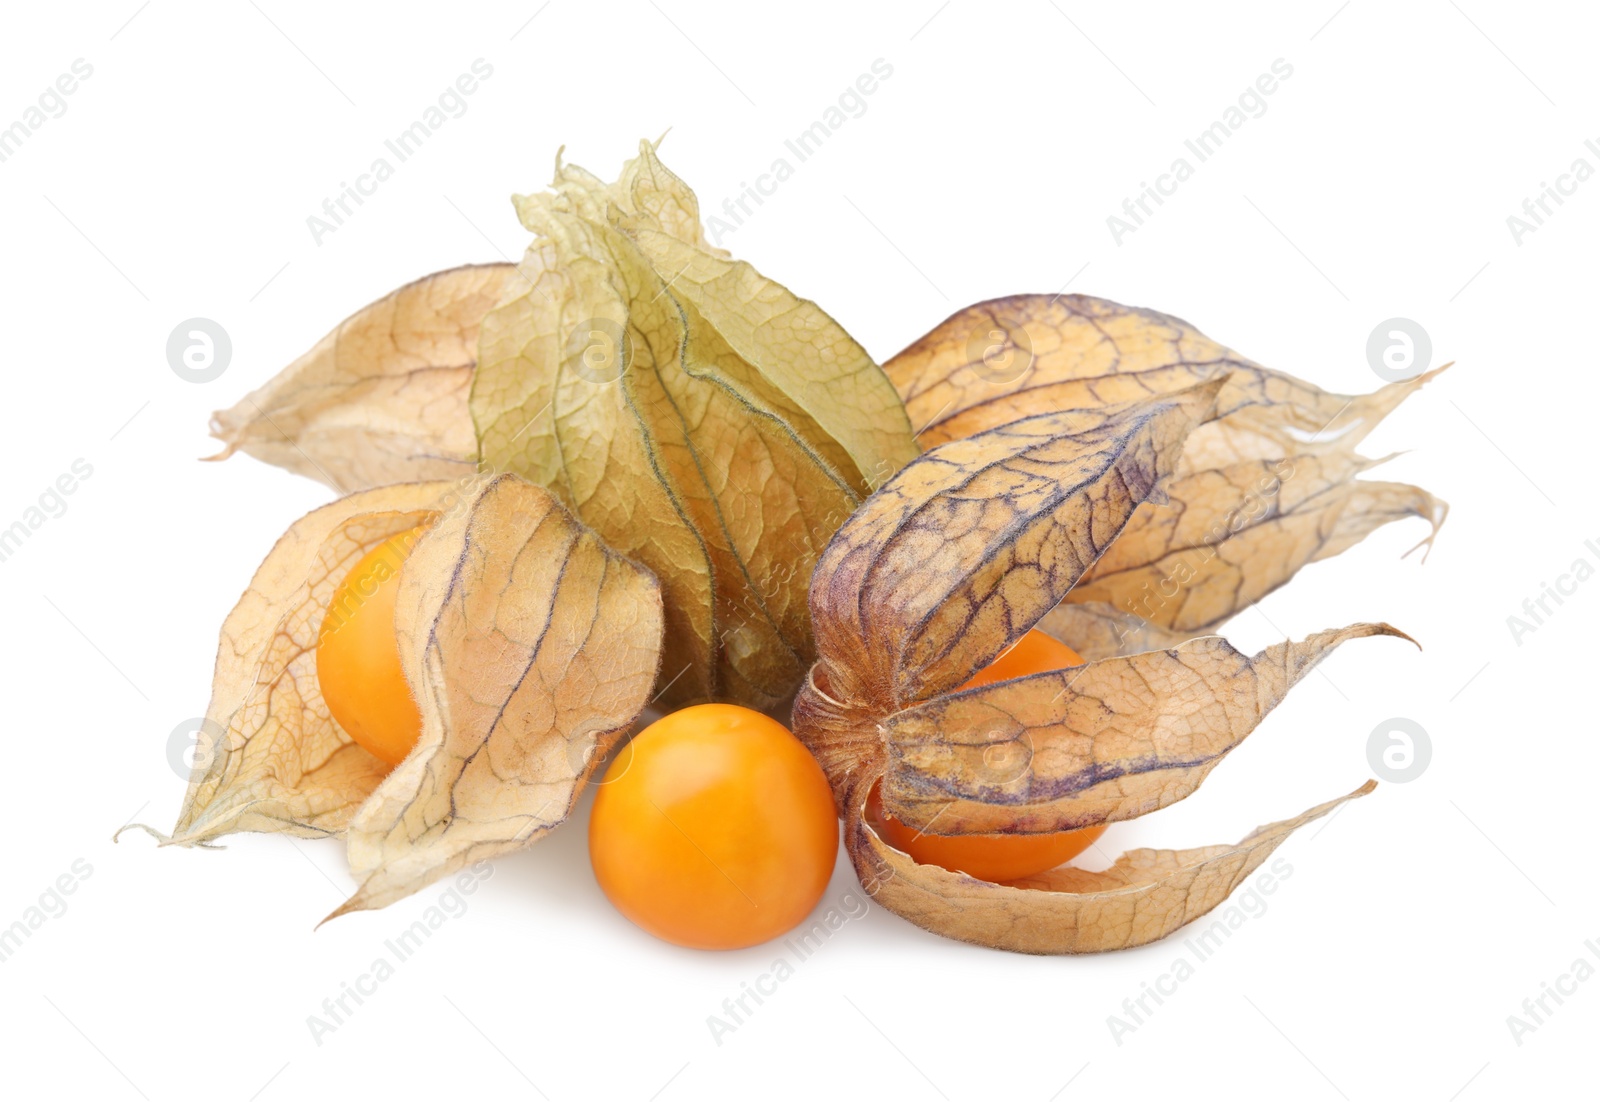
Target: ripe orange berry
[714, 829]
[994, 856]
[358, 657]
[1035, 652]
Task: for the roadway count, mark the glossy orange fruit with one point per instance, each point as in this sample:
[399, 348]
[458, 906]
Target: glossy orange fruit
[994, 856]
[358, 658]
[714, 829]
[1035, 652]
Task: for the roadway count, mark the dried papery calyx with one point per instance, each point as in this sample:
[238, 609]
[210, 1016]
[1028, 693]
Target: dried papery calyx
[969, 547]
[381, 399]
[1267, 486]
[529, 646]
[702, 418]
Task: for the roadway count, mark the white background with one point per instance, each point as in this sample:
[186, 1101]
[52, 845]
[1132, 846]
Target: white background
[1377, 184]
